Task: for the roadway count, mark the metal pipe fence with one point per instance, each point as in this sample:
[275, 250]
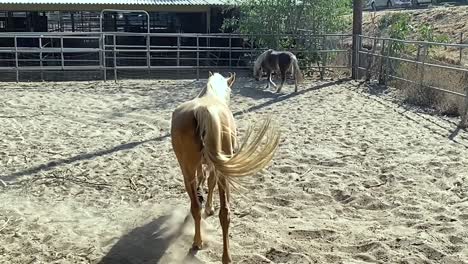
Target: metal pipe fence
[108, 53]
[425, 69]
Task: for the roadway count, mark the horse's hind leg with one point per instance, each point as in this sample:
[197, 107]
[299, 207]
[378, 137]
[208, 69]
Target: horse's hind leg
[271, 81]
[201, 180]
[209, 203]
[295, 80]
[224, 217]
[283, 79]
[191, 186]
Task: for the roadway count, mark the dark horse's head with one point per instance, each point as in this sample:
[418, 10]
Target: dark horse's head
[257, 69]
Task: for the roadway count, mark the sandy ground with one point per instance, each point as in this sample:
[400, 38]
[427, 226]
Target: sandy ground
[89, 176]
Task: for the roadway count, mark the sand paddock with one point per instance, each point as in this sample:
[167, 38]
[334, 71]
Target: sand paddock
[89, 176]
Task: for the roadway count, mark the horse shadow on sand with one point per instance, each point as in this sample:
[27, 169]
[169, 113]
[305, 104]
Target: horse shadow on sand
[257, 89]
[257, 93]
[150, 243]
[254, 89]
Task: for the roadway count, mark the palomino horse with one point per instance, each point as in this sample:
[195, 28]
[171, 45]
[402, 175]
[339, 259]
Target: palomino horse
[203, 133]
[277, 61]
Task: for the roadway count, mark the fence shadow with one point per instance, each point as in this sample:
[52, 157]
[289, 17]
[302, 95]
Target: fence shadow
[86, 156]
[407, 109]
[283, 97]
[126, 146]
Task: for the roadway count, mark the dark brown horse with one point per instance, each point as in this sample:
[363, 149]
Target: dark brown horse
[279, 62]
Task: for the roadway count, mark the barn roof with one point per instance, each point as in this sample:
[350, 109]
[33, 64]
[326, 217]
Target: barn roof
[118, 2]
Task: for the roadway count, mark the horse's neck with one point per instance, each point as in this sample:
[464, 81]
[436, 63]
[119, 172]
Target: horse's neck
[219, 94]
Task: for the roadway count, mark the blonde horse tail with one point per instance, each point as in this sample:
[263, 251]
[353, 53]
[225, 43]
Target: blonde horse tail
[254, 154]
[297, 71]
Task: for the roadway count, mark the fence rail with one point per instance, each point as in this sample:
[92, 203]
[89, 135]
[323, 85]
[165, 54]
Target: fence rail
[415, 64]
[109, 52]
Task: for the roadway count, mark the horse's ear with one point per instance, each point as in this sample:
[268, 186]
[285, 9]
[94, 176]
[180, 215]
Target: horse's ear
[210, 73]
[232, 78]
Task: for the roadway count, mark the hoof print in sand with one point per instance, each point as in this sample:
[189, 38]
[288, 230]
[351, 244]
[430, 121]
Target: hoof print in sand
[324, 234]
[279, 256]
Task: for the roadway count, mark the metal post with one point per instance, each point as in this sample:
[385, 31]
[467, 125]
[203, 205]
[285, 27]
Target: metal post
[350, 60]
[461, 48]
[16, 59]
[464, 117]
[387, 62]
[230, 51]
[370, 60]
[61, 53]
[418, 53]
[115, 58]
[324, 60]
[198, 58]
[148, 53]
[425, 53]
[382, 61]
[40, 58]
[102, 55]
[355, 58]
[252, 45]
[418, 59]
[178, 54]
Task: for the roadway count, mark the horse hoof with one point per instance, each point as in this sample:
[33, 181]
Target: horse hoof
[196, 246]
[226, 259]
[209, 211]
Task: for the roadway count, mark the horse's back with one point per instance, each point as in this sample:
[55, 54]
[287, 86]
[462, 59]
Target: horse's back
[279, 59]
[187, 128]
[184, 116]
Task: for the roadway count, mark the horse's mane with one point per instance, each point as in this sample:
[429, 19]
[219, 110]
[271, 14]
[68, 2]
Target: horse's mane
[214, 84]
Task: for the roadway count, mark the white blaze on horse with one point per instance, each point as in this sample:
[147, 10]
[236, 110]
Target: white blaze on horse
[203, 133]
[272, 61]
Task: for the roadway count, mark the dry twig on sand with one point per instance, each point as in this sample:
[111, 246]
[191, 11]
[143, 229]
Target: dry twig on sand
[305, 173]
[5, 224]
[3, 183]
[132, 183]
[56, 178]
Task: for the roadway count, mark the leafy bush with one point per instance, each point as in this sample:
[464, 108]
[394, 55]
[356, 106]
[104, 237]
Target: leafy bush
[398, 28]
[273, 18]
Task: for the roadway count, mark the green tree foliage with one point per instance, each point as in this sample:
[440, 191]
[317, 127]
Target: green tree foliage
[397, 26]
[276, 17]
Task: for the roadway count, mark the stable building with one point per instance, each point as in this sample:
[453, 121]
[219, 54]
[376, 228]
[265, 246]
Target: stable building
[165, 16]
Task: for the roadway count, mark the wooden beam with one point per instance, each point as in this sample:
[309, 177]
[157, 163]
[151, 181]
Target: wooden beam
[357, 30]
